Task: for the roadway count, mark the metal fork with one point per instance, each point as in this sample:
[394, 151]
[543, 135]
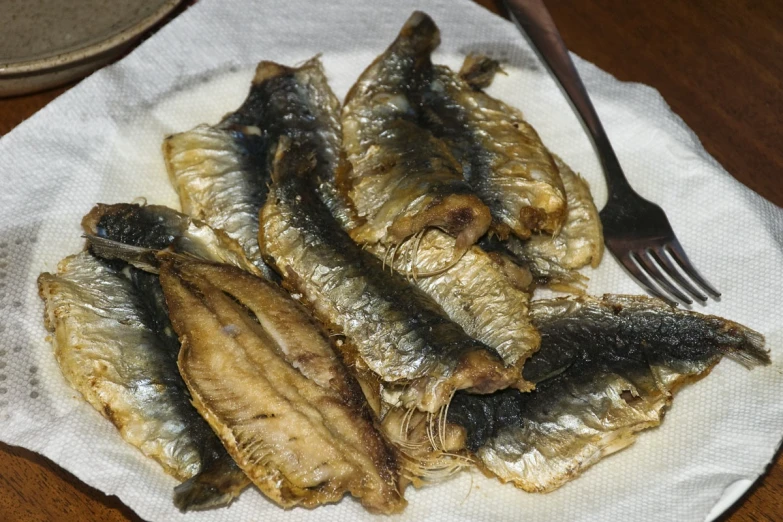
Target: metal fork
[636, 231]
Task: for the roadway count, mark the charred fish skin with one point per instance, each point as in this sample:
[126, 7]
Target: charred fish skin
[404, 180]
[502, 156]
[144, 229]
[278, 396]
[221, 173]
[393, 329]
[607, 368]
[120, 353]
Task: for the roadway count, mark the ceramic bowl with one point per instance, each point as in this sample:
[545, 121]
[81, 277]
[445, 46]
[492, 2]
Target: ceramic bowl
[45, 43]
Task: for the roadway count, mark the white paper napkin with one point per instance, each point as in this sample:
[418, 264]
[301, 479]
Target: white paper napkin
[100, 142]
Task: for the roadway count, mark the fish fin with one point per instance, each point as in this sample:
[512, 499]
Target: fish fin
[216, 486]
[753, 353]
[140, 257]
[479, 70]
[420, 34]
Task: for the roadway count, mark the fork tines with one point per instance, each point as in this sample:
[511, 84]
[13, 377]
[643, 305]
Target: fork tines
[643, 261]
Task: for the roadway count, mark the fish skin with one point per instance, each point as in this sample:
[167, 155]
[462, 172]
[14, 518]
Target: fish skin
[404, 180]
[391, 328]
[474, 293]
[272, 388]
[154, 227]
[607, 369]
[553, 261]
[115, 347]
[221, 172]
[502, 156]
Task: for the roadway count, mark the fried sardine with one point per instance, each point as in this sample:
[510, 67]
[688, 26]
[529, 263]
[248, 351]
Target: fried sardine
[391, 328]
[271, 387]
[221, 172]
[501, 155]
[607, 368]
[114, 345]
[475, 293]
[404, 180]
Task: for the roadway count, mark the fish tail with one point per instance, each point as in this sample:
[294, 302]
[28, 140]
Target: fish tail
[752, 352]
[216, 485]
[195, 495]
[420, 34]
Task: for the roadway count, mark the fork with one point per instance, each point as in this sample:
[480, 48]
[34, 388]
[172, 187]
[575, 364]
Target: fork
[636, 231]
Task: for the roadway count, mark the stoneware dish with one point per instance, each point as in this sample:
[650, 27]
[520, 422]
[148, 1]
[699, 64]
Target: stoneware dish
[45, 43]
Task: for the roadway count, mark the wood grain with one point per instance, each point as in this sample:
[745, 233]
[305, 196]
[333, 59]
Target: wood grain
[718, 63]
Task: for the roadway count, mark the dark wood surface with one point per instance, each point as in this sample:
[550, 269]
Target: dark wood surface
[718, 63]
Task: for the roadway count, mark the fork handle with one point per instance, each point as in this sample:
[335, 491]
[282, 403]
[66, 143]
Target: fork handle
[534, 21]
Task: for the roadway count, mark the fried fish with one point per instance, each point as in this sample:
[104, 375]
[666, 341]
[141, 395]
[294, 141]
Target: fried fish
[221, 172]
[607, 369]
[274, 391]
[116, 347]
[475, 293]
[404, 180]
[391, 328]
[502, 156]
[553, 261]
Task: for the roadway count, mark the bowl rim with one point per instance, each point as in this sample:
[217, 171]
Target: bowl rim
[88, 52]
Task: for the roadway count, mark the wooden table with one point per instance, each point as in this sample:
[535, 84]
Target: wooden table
[718, 63]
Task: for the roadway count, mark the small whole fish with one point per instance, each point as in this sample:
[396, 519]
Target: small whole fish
[116, 347]
[404, 180]
[221, 172]
[391, 328]
[274, 391]
[607, 369]
[502, 157]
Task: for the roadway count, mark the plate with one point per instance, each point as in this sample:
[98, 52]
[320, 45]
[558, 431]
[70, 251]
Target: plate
[719, 431]
[45, 43]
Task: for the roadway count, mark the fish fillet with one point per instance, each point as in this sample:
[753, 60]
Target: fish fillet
[273, 390]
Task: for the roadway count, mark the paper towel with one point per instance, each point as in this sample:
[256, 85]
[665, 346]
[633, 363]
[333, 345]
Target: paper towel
[100, 142]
